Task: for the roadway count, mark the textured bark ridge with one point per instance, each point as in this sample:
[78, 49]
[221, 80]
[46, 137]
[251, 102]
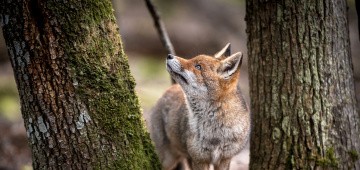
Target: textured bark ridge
[302, 91]
[77, 95]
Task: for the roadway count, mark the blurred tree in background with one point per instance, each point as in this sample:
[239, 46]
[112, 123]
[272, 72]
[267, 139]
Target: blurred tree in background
[301, 86]
[77, 95]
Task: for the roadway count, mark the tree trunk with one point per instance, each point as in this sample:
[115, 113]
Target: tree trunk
[301, 86]
[77, 95]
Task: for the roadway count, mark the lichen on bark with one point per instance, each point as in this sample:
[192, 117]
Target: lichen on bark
[301, 86]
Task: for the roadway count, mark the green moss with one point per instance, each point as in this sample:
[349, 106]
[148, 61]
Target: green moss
[104, 83]
[290, 163]
[329, 160]
[354, 155]
[116, 107]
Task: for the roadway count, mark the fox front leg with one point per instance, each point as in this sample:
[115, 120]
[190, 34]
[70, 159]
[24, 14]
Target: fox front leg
[224, 164]
[199, 166]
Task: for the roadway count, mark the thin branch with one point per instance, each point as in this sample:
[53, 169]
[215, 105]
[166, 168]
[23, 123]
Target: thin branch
[164, 37]
[357, 4]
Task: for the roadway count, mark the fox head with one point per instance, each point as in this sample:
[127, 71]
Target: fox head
[206, 76]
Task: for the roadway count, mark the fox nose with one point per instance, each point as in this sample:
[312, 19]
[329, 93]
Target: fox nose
[170, 56]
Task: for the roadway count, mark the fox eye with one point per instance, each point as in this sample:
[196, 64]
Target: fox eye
[198, 67]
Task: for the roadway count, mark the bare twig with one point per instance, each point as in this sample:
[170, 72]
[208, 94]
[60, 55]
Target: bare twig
[160, 27]
[357, 4]
[164, 37]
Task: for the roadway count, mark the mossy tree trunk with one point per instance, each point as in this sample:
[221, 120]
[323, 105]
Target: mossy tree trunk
[301, 86]
[77, 95]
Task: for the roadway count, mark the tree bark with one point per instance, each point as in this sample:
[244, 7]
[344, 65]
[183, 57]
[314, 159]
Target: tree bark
[301, 86]
[77, 95]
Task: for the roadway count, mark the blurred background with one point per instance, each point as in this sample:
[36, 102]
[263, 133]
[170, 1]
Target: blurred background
[194, 26]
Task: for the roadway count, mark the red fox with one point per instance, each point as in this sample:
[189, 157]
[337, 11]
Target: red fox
[203, 119]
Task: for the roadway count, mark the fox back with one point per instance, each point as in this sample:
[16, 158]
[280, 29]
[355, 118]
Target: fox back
[203, 119]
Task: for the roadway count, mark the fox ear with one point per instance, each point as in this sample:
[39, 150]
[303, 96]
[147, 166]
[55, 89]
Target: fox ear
[230, 65]
[224, 52]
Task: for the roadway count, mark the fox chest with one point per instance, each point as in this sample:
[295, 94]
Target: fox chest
[211, 140]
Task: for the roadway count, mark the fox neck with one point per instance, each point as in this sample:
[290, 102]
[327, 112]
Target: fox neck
[209, 106]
